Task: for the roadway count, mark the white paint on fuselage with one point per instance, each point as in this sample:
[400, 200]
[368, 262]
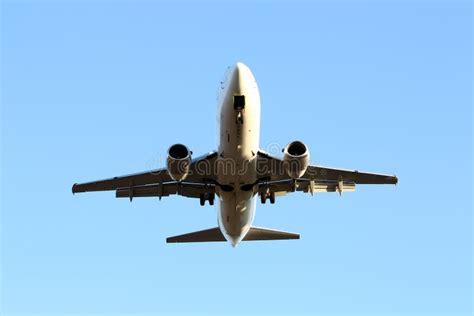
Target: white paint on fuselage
[237, 150]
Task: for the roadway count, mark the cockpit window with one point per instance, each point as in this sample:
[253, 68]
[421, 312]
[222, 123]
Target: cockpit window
[239, 102]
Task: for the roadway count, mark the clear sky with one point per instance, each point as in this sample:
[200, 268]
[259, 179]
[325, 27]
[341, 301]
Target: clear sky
[97, 89]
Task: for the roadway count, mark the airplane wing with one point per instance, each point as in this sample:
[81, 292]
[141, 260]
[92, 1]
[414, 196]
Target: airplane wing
[358, 177]
[201, 173]
[316, 178]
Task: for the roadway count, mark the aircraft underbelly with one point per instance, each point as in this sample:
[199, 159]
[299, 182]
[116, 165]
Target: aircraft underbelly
[236, 214]
[237, 149]
[237, 206]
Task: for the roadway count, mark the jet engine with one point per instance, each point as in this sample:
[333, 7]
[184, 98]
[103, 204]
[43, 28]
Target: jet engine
[296, 159]
[178, 162]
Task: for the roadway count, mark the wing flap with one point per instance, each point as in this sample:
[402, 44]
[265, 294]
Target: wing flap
[187, 189]
[304, 185]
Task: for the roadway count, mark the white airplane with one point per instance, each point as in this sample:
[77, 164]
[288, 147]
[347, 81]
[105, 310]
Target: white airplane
[237, 172]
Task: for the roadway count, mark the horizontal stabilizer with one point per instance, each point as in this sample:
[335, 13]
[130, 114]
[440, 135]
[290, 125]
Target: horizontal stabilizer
[214, 234]
[258, 233]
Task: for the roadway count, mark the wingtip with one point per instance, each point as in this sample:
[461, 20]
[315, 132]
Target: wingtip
[73, 189]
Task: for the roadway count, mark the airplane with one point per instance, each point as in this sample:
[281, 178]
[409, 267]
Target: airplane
[237, 172]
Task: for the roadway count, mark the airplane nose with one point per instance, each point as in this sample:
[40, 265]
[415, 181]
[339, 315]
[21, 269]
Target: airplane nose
[240, 76]
[239, 66]
[237, 71]
[240, 70]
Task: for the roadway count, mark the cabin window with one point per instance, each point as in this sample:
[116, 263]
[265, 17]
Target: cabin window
[239, 102]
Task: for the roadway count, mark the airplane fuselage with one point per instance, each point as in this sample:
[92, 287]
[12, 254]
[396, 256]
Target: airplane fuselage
[239, 133]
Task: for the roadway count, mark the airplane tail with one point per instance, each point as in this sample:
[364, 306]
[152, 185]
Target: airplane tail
[214, 234]
[260, 233]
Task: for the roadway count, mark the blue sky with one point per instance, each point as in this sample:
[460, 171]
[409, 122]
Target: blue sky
[97, 89]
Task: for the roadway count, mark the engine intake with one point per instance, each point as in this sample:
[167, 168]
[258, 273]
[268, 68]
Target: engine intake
[296, 159]
[178, 162]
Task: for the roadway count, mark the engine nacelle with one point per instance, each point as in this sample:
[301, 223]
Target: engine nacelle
[296, 159]
[178, 162]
